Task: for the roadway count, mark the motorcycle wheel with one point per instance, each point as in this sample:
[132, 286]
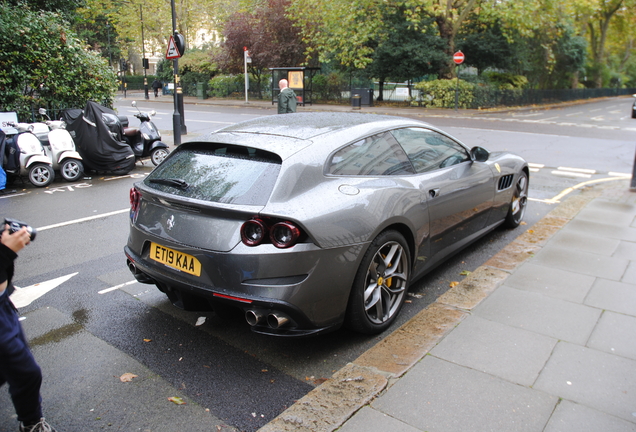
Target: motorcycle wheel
[158, 155]
[71, 169]
[41, 175]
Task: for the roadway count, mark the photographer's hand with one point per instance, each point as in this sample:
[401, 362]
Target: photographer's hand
[17, 240]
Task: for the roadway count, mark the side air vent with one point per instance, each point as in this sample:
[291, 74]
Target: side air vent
[505, 181]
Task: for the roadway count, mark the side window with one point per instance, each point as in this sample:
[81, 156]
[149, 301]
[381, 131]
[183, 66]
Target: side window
[373, 156]
[429, 150]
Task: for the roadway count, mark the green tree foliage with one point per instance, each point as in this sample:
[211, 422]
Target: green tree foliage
[268, 34]
[341, 30]
[92, 25]
[485, 46]
[407, 53]
[44, 62]
[65, 7]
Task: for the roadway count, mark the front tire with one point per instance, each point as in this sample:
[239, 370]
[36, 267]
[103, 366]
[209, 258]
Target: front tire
[158, 155]
[519, 202]
[71, 169]
[41, 175]
[380, 285]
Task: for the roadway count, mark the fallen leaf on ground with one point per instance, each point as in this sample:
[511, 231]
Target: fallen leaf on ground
[453, 284]
[177, 400]
[200, 321]
[147, 340]
[127, 377]
[465, 273]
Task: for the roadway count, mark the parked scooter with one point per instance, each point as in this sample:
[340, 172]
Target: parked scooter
[33, 160]
[60, 147]
[145, 140]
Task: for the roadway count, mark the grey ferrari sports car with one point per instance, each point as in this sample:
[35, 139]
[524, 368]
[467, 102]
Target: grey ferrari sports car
[310, 221]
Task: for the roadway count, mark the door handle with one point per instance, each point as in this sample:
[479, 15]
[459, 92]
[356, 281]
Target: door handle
[433, 193]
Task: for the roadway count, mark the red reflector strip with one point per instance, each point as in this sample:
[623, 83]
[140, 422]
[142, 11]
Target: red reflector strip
[242, 300]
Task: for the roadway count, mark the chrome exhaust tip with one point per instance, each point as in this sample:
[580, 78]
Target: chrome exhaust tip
[254, 317]
[139, 275]
[276, 320]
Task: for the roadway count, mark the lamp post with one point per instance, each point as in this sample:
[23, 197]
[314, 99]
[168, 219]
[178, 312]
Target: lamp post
[176, 116]
[144, 61]
[110, 53]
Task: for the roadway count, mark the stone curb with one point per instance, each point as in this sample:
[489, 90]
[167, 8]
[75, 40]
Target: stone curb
[331, 404]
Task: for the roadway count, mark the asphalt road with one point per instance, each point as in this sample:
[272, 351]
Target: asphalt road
[231, 378]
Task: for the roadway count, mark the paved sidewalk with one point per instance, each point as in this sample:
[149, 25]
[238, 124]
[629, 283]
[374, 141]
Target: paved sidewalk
[540, 338]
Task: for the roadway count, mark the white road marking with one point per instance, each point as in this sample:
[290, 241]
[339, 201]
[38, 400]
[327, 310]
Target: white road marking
[22, 297]
[107, 290]
[210, 121]
[76, 221]
[12, 195]
[535, 165]
[580, 170]
[126, 176]
[570, 174]
[528, 115]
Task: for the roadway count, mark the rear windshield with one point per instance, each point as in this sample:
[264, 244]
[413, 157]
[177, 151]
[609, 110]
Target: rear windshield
[218, 173]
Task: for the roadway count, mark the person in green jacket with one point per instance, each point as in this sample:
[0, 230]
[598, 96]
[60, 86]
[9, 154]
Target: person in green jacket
[286, 98]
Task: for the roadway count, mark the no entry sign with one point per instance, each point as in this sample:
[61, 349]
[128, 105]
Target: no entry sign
[458, 57]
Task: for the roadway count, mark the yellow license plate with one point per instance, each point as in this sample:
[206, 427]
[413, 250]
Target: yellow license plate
[175, 259]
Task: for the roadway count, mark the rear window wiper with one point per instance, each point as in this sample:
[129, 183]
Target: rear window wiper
[178, 183]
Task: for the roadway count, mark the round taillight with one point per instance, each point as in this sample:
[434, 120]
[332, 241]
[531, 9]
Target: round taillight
[253, 232]
[135, 197]
[284, 234]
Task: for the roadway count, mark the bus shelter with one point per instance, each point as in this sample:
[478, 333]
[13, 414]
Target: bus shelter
[300, 80]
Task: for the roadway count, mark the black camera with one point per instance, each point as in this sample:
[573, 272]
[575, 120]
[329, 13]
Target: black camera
[15, 226]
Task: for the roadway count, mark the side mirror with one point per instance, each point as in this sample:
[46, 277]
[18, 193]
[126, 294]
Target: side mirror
[479, 154]
[134, 103]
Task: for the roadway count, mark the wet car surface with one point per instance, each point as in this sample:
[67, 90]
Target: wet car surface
[310, 221]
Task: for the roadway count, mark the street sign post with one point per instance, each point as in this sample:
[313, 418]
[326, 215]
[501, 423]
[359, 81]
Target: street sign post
[246, 59]
[458, 58]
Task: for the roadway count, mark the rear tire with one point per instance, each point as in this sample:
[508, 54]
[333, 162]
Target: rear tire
[41, 175]
[379, 288]
[71, 169]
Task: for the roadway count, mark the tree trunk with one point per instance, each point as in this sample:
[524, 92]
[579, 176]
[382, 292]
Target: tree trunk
[380, 97]
[446, 33]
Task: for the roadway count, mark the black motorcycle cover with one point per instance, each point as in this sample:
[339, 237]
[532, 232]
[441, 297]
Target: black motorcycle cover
[100, 151]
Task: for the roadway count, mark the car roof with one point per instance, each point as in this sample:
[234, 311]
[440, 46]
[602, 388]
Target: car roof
[289, 133]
